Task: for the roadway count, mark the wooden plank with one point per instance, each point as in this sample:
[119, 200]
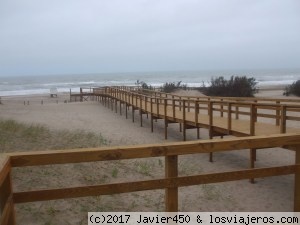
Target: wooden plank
[196, 111]
[297, 181]
[294, 118]
[5, 168]
[210, 114]
[171, 193]
[267, 115]
[229, 123]
[165, 119]
[221, 108]
[184, 121]
[6, 204]
[20, 159]
[277, 113]
[108, 189]
[5, 216]
[283, 119]
[252, 119]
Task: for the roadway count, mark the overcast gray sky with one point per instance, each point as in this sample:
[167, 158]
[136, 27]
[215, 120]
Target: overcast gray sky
[94, 36]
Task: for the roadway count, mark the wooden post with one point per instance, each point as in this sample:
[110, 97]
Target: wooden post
[196, 111]
[229, 125]
[252, 133]
[297, 181]
[120, 109]
[252, 119]
[6, 200]
[157, 107]
[179, 103]
[189, 104]
[81, 97]
[140, 102]
[141, 117]
[141, 112]
[278, 113]
[151, 110]
[221, 107]
[236, 111]
[210, 112]
[136, 100]
[255, 111]
[171, 170]
[184, 122]
[173, 107]
[198, 132]
[126, 108]
[132, 113]
[166, 120]
[197, 118]
[283, 119]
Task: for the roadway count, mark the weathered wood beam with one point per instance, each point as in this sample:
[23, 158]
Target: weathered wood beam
[20, 159]
[108, 189]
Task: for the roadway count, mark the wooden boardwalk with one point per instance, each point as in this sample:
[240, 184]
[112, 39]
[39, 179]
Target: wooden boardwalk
[221, 117]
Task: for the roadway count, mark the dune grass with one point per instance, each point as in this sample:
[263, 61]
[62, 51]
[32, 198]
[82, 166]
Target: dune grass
[16, 137]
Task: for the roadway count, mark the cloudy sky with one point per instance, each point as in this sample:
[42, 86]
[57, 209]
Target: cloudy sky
[95, 36]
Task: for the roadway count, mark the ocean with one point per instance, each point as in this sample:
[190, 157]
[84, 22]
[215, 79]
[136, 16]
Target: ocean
[26, 85]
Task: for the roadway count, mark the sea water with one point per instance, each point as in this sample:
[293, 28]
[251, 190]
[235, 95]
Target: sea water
[25, 85]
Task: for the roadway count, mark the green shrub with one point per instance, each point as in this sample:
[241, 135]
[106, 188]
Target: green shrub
[173, 86]
[234, 87]
[144, 85]
[293, 89]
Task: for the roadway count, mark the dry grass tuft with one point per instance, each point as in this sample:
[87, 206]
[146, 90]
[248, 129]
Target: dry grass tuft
[16, 137]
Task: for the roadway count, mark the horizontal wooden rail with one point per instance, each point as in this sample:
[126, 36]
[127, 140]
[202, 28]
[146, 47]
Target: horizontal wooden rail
[6, 200]
[249, 99]
[108, 189]
[155, 150]
[4, 168]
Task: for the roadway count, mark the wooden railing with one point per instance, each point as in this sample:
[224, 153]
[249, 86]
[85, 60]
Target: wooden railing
[189, 111]
[214, 98]
[6, 194]
[170, 183]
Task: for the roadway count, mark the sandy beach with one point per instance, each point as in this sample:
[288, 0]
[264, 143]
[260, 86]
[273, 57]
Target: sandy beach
[269, 194]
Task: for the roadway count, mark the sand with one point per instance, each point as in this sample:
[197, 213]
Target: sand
[269, 194]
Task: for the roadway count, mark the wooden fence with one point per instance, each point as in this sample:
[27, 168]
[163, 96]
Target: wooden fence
[208, 114]
[170, 183]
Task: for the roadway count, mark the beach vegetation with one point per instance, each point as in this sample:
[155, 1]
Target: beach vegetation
[169, 87]
[15, 136]
[114, 173]
[144, 85]
[293, 89]
[144, 168]
[236, 86]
